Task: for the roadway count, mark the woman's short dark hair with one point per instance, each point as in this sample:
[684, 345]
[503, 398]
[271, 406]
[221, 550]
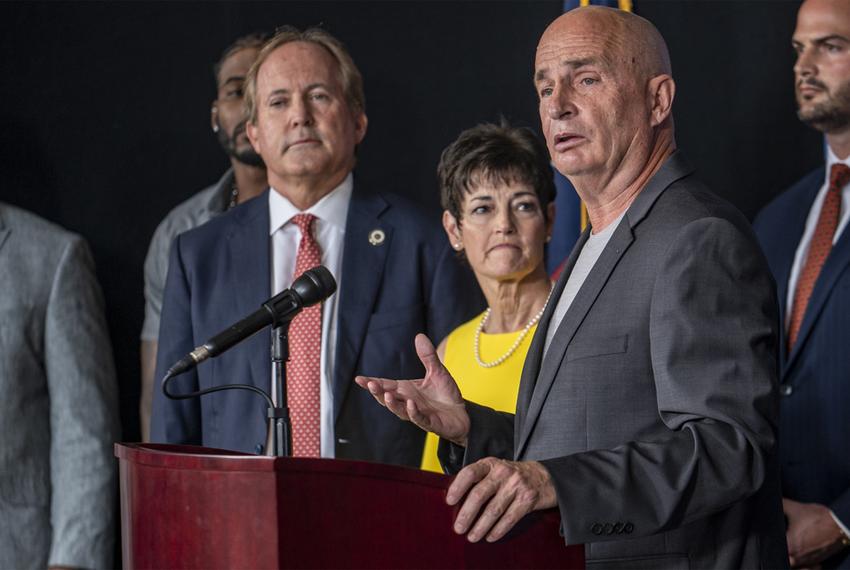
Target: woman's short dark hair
[495, 154]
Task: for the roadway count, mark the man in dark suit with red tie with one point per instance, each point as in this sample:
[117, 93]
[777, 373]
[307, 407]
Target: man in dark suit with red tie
[396, 274]
[805, 237]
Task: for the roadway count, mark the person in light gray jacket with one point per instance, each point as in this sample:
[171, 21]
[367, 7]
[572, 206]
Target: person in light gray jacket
[58, 410]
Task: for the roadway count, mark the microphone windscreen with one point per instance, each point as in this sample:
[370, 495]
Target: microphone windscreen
[314, 285]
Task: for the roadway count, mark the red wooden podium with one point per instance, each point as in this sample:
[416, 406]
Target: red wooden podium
[194, 507]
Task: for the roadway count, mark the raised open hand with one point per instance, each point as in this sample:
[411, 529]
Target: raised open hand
[433, 403]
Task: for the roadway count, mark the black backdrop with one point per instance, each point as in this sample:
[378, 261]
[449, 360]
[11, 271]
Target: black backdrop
[104, 107]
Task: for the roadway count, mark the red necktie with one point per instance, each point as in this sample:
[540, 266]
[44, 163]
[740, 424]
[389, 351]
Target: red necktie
[819, 248]
[305, 350]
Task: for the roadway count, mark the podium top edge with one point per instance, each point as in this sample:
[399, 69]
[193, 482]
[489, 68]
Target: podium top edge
[198, 458]
[125, 450]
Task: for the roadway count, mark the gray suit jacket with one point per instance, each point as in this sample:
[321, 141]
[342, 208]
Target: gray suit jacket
[58, 410]
[655, 409]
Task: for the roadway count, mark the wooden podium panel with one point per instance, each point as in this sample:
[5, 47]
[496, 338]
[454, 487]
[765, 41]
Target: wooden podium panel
[194, 507]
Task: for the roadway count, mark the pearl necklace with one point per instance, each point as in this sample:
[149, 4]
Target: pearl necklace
[517, 342]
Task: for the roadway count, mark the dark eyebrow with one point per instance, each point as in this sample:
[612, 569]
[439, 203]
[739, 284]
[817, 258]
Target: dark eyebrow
[485, 198]
[821, 40]
[522, 193]
[829, 38]
[316, 85]
[571, 63]
[233, 79]
[576, 63]
[283, 91]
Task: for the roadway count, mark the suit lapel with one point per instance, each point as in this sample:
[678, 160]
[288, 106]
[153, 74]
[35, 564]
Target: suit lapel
[574, 316]
[531, 367]
[674, 169]
[785, 245]
[362, 272]
[249, 255]
[835, 264]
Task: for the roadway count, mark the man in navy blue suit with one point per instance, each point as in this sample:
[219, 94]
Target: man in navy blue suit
[805, 237]
[396, 274]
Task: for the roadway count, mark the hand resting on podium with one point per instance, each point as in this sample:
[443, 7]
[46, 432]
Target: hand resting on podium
[498, 492]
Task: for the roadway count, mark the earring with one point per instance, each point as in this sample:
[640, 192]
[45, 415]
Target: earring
[457, 246]
[215, 128]
[548, 239]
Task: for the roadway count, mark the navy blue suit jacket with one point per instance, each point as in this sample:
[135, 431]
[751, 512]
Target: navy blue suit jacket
[814, 434]
[220, 272]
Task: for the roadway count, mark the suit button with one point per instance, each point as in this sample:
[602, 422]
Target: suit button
[609, 528]
[786, 389]
[596, 529]
[628, 528]
[258, 449]
[618, 528]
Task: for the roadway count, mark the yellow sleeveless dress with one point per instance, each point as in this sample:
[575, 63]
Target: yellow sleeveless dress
[494, 387]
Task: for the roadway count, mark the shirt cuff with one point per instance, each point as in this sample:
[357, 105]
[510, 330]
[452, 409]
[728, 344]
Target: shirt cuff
[846, 538]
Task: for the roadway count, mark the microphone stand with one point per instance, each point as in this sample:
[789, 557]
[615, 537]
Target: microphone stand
[279, 438]
[313, 286]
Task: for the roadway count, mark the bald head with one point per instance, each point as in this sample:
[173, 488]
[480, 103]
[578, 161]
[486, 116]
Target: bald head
[630, 40]
[606, 94]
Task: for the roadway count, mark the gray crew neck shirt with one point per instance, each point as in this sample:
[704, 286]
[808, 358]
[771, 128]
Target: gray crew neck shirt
[590, 253]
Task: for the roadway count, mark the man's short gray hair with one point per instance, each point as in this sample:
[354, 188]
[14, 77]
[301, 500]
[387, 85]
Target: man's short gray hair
[350, 77]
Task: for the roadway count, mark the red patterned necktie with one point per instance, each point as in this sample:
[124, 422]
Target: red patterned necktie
[819, 248]
[305, 349]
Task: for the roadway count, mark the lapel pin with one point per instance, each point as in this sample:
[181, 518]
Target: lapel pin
[377, 237]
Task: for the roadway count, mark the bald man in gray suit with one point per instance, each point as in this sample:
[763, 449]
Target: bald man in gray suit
[647, 408]
[58, 401]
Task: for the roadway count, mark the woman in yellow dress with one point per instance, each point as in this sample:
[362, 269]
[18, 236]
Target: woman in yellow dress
[497, 190]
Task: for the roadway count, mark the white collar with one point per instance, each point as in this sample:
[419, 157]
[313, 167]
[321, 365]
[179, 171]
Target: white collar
[331, 209]
[832, 159]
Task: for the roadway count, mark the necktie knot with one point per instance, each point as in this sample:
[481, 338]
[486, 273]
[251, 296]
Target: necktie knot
[305, 221]
[839, 176]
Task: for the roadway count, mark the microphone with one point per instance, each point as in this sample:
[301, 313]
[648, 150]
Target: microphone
[313, 286]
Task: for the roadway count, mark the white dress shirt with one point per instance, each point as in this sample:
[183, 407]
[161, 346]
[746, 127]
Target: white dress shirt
[329, 231]
[811, 222]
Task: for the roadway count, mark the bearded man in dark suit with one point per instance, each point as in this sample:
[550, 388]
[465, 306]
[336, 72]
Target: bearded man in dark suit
[804, 235]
